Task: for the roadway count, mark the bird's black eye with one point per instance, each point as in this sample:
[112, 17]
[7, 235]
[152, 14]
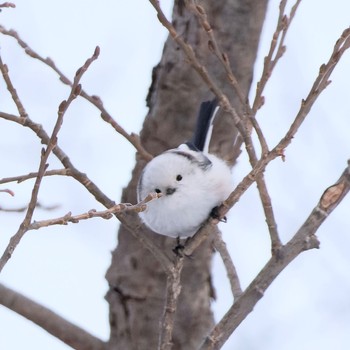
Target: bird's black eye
[178, 178]
[157, 190]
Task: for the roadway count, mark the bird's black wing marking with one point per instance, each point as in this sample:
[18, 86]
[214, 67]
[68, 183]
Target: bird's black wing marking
[201, 160]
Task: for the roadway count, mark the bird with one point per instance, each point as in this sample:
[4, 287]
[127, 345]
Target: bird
[190, 182]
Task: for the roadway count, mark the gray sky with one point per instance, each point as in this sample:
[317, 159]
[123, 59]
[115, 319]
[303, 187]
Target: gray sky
[308, 306]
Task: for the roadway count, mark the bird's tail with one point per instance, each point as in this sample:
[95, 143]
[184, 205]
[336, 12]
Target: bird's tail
[204, 127]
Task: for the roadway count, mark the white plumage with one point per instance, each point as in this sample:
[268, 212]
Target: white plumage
[191, 182]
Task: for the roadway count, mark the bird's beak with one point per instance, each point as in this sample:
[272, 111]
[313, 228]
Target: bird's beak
[170, 191]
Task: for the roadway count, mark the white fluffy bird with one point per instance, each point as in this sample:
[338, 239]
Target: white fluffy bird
[191, 182]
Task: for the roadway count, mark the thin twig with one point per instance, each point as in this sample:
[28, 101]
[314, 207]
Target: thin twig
[173, 289]
[67, 332]
[269, 214]
[303, 239]
[200, 69]
[214, 47]
[62, 157]
[93, 213]
[75, 91]
[240, 122]
[95, 100]
[132, 224]
[6, 190]
[24, 208]
[8, 4]
[4, 71]
[321, 82]
[270, 62]
[276, 51]
[232, 275]
[262, 188]
[21, 178]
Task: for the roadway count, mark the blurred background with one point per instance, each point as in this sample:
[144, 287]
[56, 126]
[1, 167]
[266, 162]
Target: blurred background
[63, 267]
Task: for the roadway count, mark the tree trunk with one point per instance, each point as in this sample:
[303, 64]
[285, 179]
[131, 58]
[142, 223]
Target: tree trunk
[137, 281]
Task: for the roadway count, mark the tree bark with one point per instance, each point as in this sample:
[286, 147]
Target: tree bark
[137, 280]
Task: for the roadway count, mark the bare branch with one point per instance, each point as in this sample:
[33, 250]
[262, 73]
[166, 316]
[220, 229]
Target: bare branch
[264, 195]
[8, 191]
[24, 208]
[94, 100]
[240, 122]
[303, 239]
[269, 214]
[21, 178]
[188, 50]
[133, 224]
[54, 324]
[173, 289]
[269, 64]
[8, 4]
[221, 247]
[63, 157]
[4, 71]
[321, 82]
[319, 85]
[276, 51]
[201, 70]
[214, 47]
[75, 91]
[93, 213]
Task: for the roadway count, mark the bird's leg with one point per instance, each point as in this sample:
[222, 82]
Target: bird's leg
[178, 249]
[216, 215]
